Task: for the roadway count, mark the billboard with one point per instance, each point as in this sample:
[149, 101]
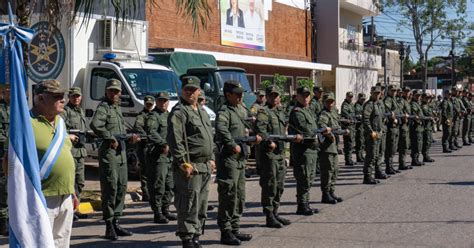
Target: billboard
[243, 24]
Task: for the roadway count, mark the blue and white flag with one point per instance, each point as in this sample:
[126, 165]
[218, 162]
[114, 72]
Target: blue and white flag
[28, 217]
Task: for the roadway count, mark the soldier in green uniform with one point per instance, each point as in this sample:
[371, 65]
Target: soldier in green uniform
[316, 104]
[428, 112]
[158, 161]
[392, 108]
[271, 120]
[231, 160]
[416, 129]
[107, 124]
[348, 113]
[359, 134]
[471, 132]
[373, 122]
[404, 135]
[438, 112]
[467, 118]
[447, 114]
[74, 118]
[328, 119]
[139, 128]
[259, 102]
[4, 126]
[383, 134]
[192, 148]
[304, 154]
[457, 119]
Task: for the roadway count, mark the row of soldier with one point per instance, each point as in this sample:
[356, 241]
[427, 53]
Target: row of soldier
[179, 149]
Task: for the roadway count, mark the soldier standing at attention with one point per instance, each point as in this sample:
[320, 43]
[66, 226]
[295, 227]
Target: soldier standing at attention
[107, 124]
[404, 138]
[271, 120]
[372, 120]
[74, 118]
[466, 126]
[428, 112]
[359, 134]
[158, 168]
[259, 102]
[447, 114]
[231, 164]
[457, 119]
[328, 151]
[4, 126]
[139, 128]
[191, 145]
[316, 102]
[416, 129]
[304, 154]
[348, 112]
[391, 106]
[383, 135]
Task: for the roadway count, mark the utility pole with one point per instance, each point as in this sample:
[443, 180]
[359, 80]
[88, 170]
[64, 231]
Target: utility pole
[384, 64]
[401, 52]
[453, 69]
[371, 31]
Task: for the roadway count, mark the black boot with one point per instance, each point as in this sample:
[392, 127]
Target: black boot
[166, 212]
[360, 158]
[333, 195]
[196, 242]
[446, 149]
[314, 210]
[349, 161]
[227, 238]
[242, 236]
[4, 227]
[327, 198]
[272, 222]
[453, 148]
[188, 243]
[280, 219]
[120, 230]
[370, 180]
[302, 210]
[160, 218]
[380, 175]
[456, 144]
[110, 231]
[427, 159]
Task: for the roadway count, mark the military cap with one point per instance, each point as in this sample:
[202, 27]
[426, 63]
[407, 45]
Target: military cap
[163, 95]
[424, 95]
[75, 91]
[466, 90]
[406, 88]
[317, 88]
[233, 86]
[446, 92]
[328, 96]
[375, 89]
[272, 89]
[113, 84]
[302, 90]
[361, 96]
[417, 92]
[149, 99]
[393, 87]
[202, 96]
[454, 88]
[349, 93]
[260, 93]
[49, 85]
[190, 81]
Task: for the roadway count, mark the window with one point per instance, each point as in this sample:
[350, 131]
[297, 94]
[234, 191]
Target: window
[265, 77]
[149, 82]
[99, 79]
[252, 81]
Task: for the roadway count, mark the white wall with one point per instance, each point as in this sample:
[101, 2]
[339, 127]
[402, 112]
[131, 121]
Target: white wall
[355, 80]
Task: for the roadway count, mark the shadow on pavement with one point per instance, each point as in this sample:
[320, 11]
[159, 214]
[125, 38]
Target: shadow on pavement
[465, 183]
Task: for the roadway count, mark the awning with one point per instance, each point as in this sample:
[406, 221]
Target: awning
[257, 60]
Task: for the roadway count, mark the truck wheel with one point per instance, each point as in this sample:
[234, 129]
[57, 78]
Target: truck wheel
[133, 165]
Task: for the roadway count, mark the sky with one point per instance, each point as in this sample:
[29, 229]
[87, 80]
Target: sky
[388, 25]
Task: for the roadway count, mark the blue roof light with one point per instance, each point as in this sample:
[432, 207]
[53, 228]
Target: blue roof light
[110, 56]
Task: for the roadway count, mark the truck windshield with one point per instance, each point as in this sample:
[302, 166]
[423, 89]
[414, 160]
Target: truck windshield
[149, 81]
[234, 75]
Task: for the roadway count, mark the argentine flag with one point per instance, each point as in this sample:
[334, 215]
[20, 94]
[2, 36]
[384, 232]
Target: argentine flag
[29, 222]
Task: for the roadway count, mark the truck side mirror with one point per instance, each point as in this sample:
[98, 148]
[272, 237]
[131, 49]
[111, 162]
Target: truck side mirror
[207, 87]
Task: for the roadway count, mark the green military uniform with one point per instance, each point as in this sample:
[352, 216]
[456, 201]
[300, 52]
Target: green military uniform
[447, 114]
[391, 106]
[231, 165]
[271, 120]
[328, 153]
[466, 126]
[359, 133]
[316, 106]
[193, 123]
[348, 112]
[158, 163]
[4, 126]
[471, 132]
[74, 118]
[383, 133]
[428, 111]
[256, 106]
[404, 138]
[139, 128]
[457, 119]
[305, 154]
[108, 124]
[373, 122]
[416, 130]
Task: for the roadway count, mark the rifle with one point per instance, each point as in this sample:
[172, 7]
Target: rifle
[338, 131]
[349, 121]
[83, 135]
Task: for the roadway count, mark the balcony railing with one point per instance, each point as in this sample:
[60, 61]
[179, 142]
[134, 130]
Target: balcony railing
[353, 46]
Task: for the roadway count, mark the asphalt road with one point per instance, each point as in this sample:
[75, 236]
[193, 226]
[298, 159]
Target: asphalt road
[430, 206]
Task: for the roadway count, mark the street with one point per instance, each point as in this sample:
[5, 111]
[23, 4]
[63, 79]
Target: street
[429, 206]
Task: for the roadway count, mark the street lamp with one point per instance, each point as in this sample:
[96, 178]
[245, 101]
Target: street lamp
[401, 52]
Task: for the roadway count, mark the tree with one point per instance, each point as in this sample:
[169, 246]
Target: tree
[429, 21]
[465, 63]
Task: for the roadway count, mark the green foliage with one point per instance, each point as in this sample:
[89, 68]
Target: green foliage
[306, 83]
